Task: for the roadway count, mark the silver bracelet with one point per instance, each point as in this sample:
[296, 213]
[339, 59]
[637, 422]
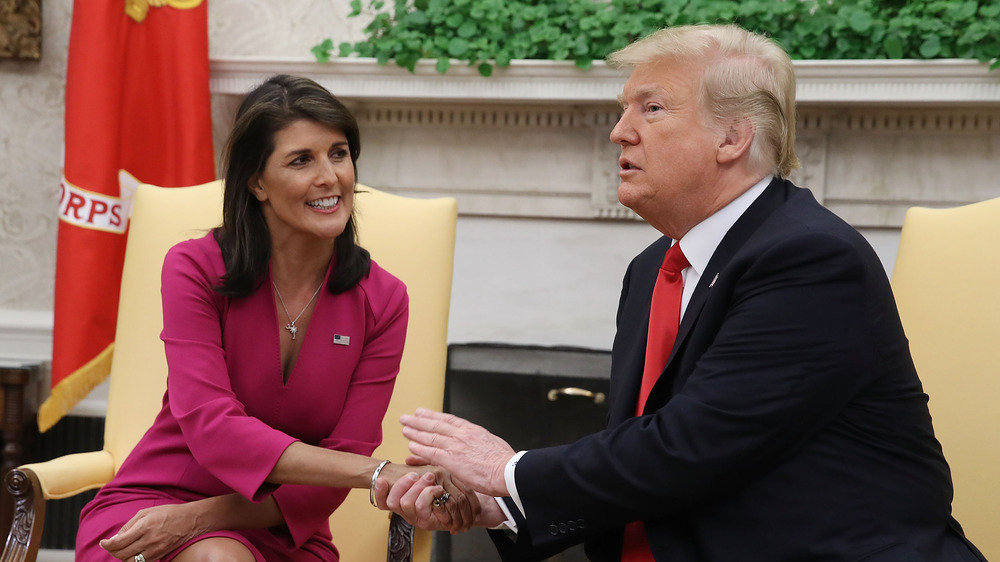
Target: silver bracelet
[371, 487]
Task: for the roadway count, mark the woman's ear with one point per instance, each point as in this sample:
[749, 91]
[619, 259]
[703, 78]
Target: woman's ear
[257, 188]
[735, 143]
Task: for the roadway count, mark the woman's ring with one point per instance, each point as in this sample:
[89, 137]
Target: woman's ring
[140, 558]
[438, 502]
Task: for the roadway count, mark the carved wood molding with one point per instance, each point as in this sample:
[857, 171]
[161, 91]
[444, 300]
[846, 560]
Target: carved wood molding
[24, 535]
[400, 547]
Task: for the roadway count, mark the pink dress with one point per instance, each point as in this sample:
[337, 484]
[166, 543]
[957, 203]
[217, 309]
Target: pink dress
[227, 415]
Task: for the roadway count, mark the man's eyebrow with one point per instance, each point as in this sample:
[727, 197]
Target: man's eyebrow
[642, 93]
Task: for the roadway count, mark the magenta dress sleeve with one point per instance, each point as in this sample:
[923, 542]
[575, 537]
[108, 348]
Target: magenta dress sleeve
[238, 449]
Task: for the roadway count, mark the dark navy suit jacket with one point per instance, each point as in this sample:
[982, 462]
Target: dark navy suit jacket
[788, 425]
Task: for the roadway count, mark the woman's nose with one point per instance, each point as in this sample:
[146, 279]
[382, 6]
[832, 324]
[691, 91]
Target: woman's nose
[328, 173]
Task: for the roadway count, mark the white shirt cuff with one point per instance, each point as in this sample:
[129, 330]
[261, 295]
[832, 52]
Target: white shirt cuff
[508, 476]
[509, 524]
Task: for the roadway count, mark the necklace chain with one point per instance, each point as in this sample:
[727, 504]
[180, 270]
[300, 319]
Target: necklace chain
[291, 327]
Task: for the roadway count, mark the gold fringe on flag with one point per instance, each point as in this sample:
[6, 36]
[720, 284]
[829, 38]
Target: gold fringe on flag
[75, 387]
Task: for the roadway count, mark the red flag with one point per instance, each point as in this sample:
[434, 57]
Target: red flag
[137, 111]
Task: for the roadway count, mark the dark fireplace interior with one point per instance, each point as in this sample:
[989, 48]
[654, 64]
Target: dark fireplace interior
[531, 397]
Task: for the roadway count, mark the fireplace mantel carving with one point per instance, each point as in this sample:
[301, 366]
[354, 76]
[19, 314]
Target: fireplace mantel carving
[875, 137]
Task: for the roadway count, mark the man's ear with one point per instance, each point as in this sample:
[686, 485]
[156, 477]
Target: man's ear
[256, 188]
[735, 142]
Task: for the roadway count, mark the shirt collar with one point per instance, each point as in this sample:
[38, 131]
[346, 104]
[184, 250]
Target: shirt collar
[701, 241]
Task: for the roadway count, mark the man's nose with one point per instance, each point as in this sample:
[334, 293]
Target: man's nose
[624, 132]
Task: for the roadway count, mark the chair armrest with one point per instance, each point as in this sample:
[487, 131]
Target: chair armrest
[400, 540]
[30, 485]
[70, 475]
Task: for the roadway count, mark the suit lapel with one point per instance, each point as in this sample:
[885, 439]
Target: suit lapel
[773, 197]
[629, 350]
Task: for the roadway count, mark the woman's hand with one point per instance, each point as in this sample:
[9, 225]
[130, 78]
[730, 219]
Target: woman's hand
[433, 498]
[154, 532]
[413, 497]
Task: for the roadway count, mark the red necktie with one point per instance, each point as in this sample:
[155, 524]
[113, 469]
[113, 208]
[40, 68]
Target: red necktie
[664, 318]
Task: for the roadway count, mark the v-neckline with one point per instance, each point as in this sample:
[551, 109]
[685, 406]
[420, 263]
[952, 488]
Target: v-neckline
[305, 334]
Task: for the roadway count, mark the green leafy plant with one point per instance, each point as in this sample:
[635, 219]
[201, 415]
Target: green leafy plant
[488, 33]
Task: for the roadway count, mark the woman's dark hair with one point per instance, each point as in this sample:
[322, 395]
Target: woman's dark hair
[244, 237]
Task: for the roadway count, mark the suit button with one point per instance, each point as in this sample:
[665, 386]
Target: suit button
[563, 528]
[581, 523]
[553, 530]
[571, 525]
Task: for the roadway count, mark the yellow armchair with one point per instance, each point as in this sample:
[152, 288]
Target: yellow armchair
[412, 238]
[947, 285]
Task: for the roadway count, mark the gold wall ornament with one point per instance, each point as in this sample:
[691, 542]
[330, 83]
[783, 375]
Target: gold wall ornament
[137, 9]
[21, 29]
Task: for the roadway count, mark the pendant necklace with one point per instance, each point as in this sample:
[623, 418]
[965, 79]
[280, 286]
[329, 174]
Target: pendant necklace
[292, 329]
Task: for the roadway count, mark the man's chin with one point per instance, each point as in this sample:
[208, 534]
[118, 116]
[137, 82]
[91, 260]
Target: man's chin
[627, 196]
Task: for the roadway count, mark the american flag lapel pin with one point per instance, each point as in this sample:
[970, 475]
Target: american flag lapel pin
[714, 279]
[341, 340]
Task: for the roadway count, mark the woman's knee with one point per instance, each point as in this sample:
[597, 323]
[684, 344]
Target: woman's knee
[216, 549]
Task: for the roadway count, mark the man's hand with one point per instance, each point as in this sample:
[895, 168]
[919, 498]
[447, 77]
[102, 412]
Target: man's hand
[470, 453]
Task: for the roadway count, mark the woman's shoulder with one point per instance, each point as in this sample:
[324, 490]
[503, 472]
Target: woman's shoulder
[382, 288]
[202, 253]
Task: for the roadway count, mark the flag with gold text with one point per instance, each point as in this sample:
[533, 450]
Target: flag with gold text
[137, 111]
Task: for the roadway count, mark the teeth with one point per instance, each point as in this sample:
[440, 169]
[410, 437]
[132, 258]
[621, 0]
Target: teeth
[324, 203]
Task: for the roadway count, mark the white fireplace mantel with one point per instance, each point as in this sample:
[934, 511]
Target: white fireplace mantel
[947, 81]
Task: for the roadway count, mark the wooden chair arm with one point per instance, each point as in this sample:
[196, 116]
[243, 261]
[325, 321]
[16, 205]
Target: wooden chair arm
[400, 540]
[30, 485]
[25, 533]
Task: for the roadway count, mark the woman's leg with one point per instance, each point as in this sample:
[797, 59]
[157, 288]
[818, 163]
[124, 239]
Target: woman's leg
[216, 549]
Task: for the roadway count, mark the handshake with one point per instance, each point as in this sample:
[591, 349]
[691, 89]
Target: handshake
[449, 483]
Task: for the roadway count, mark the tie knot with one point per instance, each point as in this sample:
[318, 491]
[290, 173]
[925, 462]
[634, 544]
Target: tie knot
[674, 261]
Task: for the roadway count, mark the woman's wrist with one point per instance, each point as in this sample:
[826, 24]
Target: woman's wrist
[371, 485]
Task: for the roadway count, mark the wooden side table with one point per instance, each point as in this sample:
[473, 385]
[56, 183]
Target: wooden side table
[14, 379]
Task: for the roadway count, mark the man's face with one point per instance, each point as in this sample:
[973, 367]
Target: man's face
[668, 160]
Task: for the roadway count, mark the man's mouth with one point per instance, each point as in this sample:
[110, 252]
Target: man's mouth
[626, 165]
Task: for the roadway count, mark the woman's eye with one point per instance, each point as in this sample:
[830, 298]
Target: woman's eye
[338, 154]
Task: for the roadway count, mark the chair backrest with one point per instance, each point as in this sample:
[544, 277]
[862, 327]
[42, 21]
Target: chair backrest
[413, 239]
[161, 217]
[947, 285]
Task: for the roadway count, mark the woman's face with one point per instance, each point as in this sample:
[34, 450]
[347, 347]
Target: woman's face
[307, 187]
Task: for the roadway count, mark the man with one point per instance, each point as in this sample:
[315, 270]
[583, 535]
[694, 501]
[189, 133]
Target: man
[784, 421]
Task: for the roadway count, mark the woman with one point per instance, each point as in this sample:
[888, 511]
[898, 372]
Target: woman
[266, 422]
